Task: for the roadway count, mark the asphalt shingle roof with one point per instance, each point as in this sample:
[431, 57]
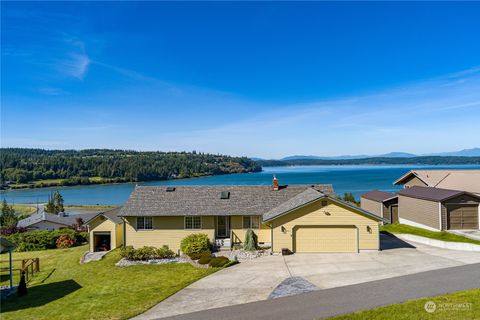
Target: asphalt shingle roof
[205, 200]
[299, 200]
[110, 214]
[378, 196]
[430, 193]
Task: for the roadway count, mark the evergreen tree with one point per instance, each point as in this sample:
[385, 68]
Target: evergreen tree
[50, 207]
[8, 218]
[58, 200]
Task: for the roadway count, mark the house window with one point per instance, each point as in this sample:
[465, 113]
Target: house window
[144, 223]
[193, 223]
[251, 222]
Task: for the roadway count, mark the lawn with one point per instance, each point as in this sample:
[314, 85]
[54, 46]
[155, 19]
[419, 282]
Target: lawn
[64, 289]
[438, 235]
[459, 305]
[24, 209]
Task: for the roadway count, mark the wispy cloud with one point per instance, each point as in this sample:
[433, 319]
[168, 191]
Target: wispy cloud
[411, 118]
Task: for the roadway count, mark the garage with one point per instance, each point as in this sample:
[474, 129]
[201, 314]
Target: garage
[102, 241]
[462, 216]
[325, 239]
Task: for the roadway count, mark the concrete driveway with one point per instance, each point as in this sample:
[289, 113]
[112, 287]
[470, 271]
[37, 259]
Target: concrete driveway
[255, 280]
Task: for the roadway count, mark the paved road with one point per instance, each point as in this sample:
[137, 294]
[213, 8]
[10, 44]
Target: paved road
[255, 280]
[348, 299]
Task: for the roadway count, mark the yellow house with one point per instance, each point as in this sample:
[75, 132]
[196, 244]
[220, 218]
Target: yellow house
[300, 218]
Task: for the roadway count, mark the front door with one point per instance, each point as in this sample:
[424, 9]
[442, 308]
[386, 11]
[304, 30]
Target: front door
[223, 227]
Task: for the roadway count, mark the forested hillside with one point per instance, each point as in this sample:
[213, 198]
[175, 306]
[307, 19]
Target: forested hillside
[72, 167]
[427, 160]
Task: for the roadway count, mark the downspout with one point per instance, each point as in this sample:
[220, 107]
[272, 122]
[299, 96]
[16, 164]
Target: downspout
[440, 215]
[124, 234]
[271, 237]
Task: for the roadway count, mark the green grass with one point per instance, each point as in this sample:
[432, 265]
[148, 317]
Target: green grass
[64, 289]
[415, 309]
[89, 207]
[438, 235]
[24, 209]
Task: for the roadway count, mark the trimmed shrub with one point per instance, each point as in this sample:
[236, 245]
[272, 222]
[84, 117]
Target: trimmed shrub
[128, 252]
[218, 262]
[196, 256]
[195, 243]
[165, 253]
[231, 263]
[64, 241]
[250, 240]
[146, 253]
[205, 258]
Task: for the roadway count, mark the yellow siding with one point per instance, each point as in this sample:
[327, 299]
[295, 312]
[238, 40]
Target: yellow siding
[101, 224]
[325, 239]
[119, 233]
[332, 214]
[236, 225]
[166, 231]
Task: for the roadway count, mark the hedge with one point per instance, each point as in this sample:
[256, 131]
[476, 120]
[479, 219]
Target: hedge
[146, 253]
[43, 239]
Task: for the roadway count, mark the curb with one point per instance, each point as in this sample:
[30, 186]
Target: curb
[459, 246]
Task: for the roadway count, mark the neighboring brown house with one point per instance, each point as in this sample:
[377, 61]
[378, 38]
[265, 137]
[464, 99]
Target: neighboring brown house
[466, 180]
[438, 209]
[381, 203]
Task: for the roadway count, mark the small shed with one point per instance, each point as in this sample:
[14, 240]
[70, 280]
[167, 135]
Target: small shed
[381, 203]
[105, 231]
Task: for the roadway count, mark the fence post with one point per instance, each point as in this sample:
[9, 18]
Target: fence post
[23, 264]
[37, 264]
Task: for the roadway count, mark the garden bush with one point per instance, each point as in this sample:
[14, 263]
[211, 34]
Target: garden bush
[43, 239]
[195, 243]
[146, 253]
[218, 262]
[231, 263]
[165, 253]
[196, 256]
[205, 258]
[65, 241]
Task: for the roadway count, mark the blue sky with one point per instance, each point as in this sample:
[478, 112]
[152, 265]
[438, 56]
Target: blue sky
[255, 79]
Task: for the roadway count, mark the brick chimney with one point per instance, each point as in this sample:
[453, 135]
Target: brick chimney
[275, 183]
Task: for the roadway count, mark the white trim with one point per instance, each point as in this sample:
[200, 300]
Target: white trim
[381, 209]
[416, 224]
[142, 229]
[193, 229]
[440, 215]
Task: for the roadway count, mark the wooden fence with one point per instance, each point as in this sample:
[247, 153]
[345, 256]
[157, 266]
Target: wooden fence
[29, 266]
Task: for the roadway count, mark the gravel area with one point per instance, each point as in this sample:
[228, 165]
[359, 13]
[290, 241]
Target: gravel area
[126, 263]
[243, 255]
[292, 286]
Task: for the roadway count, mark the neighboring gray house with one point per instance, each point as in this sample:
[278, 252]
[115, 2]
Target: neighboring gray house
[439, 209]
[48, 221]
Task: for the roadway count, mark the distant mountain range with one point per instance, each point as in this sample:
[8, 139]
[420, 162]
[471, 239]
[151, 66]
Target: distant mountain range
[474, 152]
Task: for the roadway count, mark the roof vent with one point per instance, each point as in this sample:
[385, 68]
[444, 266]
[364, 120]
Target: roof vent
[225, 195]
[170, 189]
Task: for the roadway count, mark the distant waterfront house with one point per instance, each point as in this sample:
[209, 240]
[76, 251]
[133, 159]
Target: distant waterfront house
[466, 180]
[301, 218]
[48, 221]
[383, 204]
